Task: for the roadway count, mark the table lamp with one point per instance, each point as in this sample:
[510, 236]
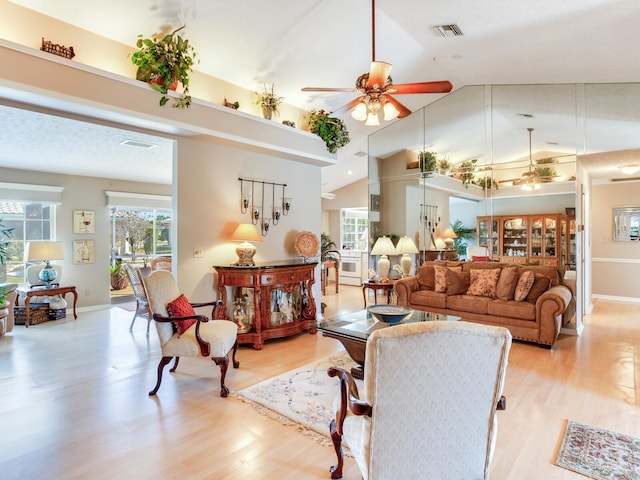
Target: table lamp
[246, 233]
[383, 247]
[45, 251]
[405, 248]
[448, 236]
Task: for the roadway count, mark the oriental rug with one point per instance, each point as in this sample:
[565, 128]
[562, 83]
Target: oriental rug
[302, 397]
[599, 454]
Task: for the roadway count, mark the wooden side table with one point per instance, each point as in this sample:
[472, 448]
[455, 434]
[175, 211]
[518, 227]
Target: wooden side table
[43, 291]
[326, 265]
[375, 286]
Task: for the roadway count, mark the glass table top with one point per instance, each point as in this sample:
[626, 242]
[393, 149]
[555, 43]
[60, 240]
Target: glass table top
[359, 325]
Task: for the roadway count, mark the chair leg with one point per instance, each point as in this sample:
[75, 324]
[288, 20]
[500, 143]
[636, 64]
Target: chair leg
[336, 438]
[161, 365]
[223, 363]
[236, 363]
[175, 365]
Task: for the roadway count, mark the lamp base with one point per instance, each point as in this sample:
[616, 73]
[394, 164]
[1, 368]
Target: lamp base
[405, 261]
[245, 252]
[448, 243]
[384, 267]
[48, 274]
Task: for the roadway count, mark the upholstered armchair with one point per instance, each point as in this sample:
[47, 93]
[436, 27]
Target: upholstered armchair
[428, 410]
[184, 333]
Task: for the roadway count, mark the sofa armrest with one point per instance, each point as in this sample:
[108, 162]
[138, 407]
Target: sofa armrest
[549, 309]
[404, 287]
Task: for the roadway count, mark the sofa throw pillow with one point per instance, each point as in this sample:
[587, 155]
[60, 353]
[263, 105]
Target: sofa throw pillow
[484, 282]
[426, 276]
[180, 307]
[476, 258]
[457, 282]
[541, 284]
[525, 282]
[441, 277]
[507, 283]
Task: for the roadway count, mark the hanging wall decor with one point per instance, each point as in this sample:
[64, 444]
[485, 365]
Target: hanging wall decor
[254, 194]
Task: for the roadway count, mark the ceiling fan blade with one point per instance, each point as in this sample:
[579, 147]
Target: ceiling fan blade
[348, 106]
[378, 74]
[402, 110]
[420, 87]
[328, 89]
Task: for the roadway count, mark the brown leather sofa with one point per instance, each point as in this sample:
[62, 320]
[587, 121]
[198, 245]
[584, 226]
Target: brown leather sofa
[548, 304]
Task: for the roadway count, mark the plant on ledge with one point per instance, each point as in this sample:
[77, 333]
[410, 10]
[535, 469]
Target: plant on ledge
[164, 63]
[465, 171]
[269, 102]
[332, 130]
[486, 182]
[428, 163]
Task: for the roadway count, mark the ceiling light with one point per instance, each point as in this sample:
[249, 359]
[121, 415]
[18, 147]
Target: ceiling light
[629, 169]
[529, 178]
[390, 112]
[372, 120]
[360, 112]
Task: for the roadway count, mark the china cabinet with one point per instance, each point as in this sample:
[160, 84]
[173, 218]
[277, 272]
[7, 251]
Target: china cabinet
[271, 300]
[541, 239]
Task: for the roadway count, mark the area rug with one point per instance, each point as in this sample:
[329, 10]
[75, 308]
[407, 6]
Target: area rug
[599, 454]
[302, 397]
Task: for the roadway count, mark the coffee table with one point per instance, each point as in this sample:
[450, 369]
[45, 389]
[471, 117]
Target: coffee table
[353, 329]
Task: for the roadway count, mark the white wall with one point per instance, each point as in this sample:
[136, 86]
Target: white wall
[615, 265]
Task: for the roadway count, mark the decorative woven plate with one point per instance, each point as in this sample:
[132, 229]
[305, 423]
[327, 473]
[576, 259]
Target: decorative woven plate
[307, 244]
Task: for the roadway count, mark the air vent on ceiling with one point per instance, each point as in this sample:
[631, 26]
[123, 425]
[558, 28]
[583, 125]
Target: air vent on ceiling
[451, 30]
[137, 143]
[526, 115]
[360, 153]
[626, 179]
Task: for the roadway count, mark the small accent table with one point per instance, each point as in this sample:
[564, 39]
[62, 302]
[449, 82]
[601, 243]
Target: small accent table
[326, 265]
[375, 286]
[41, 292]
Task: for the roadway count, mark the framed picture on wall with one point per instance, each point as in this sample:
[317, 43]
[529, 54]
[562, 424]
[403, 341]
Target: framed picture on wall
[84, 221]
[84, 251]
[375, 203]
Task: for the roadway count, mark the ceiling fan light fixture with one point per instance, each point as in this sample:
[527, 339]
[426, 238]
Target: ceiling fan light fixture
[390, 112]
[360, 112]
[629, 169]
[372, 120]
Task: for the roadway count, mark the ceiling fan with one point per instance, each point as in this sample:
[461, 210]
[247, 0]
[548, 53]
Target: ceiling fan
[376, 88]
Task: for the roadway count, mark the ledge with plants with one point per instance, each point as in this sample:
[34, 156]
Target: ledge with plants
[165, 62]
[330, 129]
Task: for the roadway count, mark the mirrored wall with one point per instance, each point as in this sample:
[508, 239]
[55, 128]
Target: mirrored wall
[489, 142]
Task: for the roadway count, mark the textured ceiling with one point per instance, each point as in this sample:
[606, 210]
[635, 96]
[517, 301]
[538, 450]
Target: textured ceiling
[327, 43]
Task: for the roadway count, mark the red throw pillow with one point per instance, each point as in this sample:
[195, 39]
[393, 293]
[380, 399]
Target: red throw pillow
[475, 258]
[181, 307]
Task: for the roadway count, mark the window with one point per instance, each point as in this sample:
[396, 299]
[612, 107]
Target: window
[140, 233]
[30, 222]
[353, 229]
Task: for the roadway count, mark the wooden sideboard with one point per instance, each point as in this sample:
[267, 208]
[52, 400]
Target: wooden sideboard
[279, 298]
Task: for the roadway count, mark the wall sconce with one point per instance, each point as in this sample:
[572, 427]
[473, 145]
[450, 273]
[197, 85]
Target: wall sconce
[258, 210]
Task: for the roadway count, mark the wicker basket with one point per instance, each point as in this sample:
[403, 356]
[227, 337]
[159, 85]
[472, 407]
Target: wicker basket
[57, 313]
[38, 312]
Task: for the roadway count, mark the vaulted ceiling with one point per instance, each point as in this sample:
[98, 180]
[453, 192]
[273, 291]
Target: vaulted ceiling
[327, 43]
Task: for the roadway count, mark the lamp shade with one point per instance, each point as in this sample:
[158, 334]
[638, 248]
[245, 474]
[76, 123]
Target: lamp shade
[448, 236]
[42, 251]
[406, 247]
[383, 247]
[245, 233]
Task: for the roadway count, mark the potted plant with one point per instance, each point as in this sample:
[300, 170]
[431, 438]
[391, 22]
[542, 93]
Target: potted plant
[544, 171]
[486, 182]
[119, 279]
[328, 248]
[465, 171]
[330, 129]
[463, 234]
[428, 163]
[165, 62]
[444, 166]
[268, 101]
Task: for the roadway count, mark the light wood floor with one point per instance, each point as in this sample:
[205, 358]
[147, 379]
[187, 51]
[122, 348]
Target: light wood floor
[74, 404]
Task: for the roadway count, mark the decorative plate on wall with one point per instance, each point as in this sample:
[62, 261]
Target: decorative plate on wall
[307, 244]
